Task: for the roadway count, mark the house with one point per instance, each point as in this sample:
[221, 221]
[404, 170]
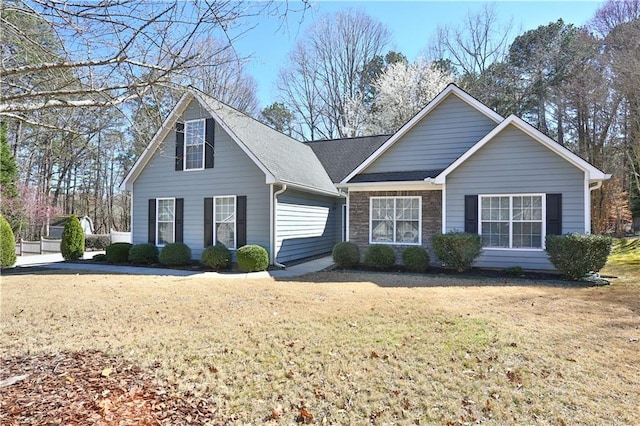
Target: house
[213, 174]
[57, 223]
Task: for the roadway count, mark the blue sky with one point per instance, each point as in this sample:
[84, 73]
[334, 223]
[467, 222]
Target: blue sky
[411, 24]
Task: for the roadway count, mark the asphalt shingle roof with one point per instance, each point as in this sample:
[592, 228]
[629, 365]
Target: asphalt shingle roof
[287, 159]
[341, 156]
[396, 176]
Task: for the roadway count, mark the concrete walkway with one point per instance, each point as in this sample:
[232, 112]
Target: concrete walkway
[55, 261]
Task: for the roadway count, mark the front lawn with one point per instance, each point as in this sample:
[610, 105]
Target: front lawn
[335, 347]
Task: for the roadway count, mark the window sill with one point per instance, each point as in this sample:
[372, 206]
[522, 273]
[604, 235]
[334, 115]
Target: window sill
[389, 243]
[512, 249]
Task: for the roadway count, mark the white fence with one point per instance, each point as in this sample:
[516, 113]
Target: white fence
[37, 247]
[53, 246]
[120, 237]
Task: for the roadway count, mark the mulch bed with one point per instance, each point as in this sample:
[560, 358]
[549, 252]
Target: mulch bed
[91, 388]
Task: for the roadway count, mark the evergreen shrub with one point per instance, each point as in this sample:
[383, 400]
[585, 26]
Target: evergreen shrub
[72, 244]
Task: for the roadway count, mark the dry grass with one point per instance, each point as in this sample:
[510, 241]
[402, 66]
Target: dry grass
[353, 348]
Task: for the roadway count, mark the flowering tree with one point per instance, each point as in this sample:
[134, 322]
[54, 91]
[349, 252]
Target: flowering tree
[37, 209]
[403, 90]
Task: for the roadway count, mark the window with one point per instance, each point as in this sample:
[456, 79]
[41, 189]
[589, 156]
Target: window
[194, 144]
[224, 215]
[165, 221]
[512, 221]
[395, 220]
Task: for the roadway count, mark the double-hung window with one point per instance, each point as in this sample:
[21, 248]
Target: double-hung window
[165, 221]
[395, 220]
[194, 135]
[512, 221]
[225, 221]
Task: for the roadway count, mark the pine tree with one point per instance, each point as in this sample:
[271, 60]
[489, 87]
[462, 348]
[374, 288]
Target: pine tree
[8, 166]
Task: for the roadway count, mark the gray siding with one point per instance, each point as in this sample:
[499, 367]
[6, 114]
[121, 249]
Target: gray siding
[234, 174]
[306, 225]
[439, 139]
[514, 163]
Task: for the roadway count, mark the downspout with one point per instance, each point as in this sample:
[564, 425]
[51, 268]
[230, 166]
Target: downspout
[274, 226]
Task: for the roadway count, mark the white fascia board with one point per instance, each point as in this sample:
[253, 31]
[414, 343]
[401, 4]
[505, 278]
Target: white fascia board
[269, 177]
[592, 172]
[392, 186]
[450, 89]
[311, 189]
[161, 134]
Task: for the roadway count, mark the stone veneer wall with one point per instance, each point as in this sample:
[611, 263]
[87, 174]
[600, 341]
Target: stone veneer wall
[359, 218]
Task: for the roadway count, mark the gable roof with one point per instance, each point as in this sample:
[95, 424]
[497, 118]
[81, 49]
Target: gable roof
[340, 156]
[282, 159]
[450, 90]
[593, 173]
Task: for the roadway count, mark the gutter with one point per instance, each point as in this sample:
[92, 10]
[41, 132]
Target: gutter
[274, 227]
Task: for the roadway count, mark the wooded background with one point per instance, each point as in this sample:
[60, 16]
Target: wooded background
[85, 85]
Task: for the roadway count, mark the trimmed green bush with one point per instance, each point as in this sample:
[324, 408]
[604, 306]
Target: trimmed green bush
[415, 259]
[514, 271]
[72, 244]
[175, 254]
[346, 254]
[118, 252]
[457, 250]
[252, 258]
[97, 241]
[217, 257]
[143, 254]
[575, 255]
[100, 257]
[380, 256]
[7, 244]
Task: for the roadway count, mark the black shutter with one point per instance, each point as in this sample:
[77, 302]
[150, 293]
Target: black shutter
[241, 220]
[209, 143]
[471, 214]
[152, 221]
[554, 214]
[179, 146]
[208, 222]
[179, 220]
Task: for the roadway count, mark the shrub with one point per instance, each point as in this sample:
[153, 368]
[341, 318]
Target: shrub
[457, 250]
[380, 257]
[217, 257]
[118, 252]
[415, 259]
[143, 254]
[72, 244]
[575, 255]
[97, 241]
[514, 271]
[252, 258]
[175, 254]
[100, 257]
[7, 244]
[346, 254]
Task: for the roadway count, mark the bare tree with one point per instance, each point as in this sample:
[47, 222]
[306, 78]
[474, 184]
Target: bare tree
[222, 75]
[614, 13]
[93, 54]
[325, 71]
[473, 46]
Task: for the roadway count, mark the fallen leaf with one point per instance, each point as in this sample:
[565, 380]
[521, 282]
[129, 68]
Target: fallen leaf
[106, 372]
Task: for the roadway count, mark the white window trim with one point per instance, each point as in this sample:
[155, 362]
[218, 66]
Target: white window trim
[158, 244]
[235, 222]
[395, 198]
[184, 153]
[510, 248]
